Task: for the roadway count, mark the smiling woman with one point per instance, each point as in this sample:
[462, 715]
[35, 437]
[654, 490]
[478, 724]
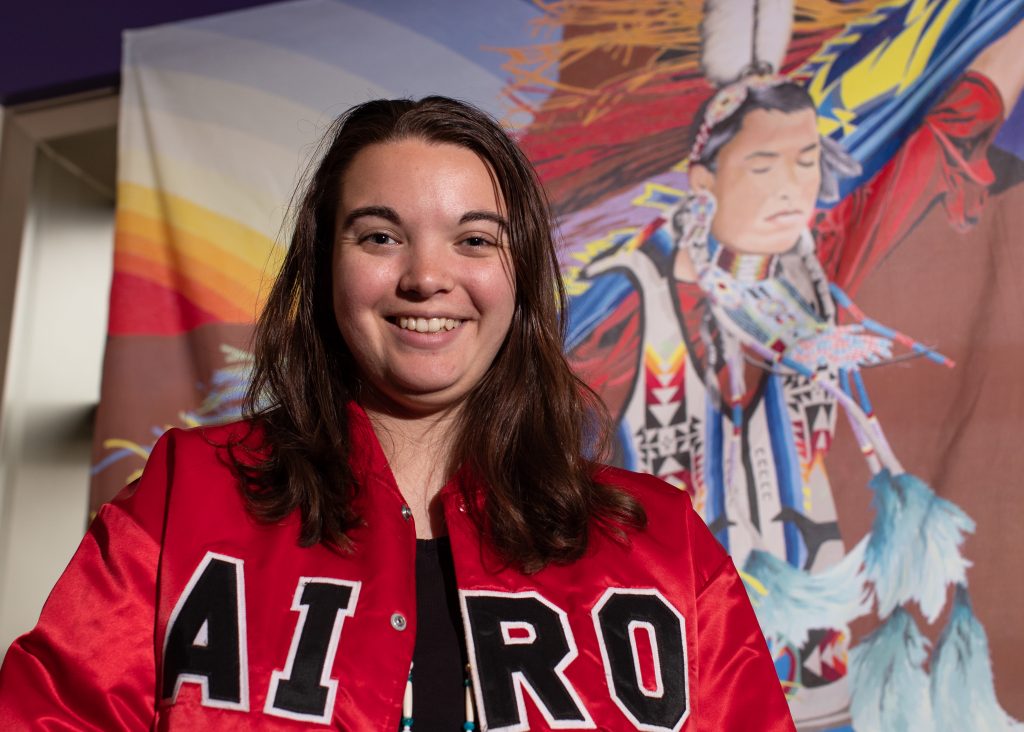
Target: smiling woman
[423, 288]
[413, 515]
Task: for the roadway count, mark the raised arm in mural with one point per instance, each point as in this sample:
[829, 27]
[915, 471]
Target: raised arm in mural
[944, 162]
[1001, 63]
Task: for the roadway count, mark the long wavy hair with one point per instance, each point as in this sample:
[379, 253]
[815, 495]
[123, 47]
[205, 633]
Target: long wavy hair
[530, 431]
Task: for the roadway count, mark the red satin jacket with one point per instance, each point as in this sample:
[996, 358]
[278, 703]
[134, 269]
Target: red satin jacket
[181, 612]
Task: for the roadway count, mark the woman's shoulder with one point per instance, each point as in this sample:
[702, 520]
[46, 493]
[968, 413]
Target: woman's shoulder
[195, 460]
[221, 444]
[247, 434]
[667, 507]
[673, 524]
[645, 487]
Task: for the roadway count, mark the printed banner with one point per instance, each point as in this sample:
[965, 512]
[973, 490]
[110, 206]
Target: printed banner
[790, 245]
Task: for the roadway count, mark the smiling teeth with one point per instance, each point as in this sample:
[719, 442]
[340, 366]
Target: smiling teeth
[428, 325]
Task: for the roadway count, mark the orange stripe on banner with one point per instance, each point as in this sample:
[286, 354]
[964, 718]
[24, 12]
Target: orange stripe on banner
[196, 292]
[198, 248]
[243, 291]
[218, 234]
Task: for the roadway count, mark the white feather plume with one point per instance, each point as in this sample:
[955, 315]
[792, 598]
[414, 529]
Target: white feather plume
[775, 22]
[737, 35]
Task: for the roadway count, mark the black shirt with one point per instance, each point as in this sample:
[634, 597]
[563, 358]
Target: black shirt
[438, 692]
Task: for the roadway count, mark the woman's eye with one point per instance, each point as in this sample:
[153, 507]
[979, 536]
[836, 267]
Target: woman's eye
[477, 241]
[378, 237]
[807, 163]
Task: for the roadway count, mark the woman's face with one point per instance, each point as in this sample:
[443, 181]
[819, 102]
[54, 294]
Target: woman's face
[422, 278]
[766, 181]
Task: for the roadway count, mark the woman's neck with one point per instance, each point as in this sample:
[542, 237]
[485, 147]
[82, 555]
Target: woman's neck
[419, 451]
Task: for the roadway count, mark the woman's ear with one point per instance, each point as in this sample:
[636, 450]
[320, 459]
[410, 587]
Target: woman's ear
[701, 178]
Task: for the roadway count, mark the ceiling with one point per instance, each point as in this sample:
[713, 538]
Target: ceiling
[49, 49]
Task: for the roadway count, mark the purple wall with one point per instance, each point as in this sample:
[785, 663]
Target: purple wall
[48, 49]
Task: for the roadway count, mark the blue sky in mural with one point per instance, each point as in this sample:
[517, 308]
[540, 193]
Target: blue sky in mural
[481, 25]
[404, 46]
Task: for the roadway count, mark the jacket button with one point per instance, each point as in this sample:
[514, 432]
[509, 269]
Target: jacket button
[398, 621]
[406, 512]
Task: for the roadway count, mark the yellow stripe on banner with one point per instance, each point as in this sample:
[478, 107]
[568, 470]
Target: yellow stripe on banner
[223, 236]
[217, 263]
[175, 267]
[167, 242]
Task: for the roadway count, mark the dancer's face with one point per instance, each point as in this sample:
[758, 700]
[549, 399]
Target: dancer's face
[766, 181]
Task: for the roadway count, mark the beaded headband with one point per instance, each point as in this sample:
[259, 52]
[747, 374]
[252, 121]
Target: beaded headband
[724, 104]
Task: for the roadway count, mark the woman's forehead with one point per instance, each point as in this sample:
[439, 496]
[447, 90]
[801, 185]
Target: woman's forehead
[408, 153]
[412, 173]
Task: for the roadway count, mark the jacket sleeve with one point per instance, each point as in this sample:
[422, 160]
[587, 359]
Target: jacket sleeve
[737, 686]
[89, 664]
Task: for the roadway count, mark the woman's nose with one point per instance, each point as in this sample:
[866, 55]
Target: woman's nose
[427, 270]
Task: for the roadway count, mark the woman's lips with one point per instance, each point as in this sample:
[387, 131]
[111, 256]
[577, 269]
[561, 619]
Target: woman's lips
[426, 325]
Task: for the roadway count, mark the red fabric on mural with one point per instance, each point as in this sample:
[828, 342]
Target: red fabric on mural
[693, 308]
[945, 161]
[94, 661]
[607, 360]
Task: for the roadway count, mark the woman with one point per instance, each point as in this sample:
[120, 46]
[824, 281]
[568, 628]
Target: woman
[409, 384]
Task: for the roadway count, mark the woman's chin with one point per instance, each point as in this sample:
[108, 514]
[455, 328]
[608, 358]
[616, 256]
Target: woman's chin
[417, 399]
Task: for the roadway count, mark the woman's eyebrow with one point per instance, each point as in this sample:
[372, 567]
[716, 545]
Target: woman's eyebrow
[381, 212]
[481, 215]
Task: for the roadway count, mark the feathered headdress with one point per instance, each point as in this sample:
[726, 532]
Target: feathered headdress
[743, 46]
[764, 25]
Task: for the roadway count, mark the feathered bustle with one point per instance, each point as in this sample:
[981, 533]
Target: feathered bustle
[914, 550]
[963, 693]
[790, 602]
[889, 684]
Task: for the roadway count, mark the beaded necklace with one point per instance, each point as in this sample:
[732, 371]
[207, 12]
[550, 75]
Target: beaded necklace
[468, 726]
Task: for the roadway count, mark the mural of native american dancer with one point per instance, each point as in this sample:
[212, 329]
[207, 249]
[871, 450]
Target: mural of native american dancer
[748, 350]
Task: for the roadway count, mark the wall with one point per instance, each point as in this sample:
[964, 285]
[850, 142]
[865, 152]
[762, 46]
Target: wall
[52, 384]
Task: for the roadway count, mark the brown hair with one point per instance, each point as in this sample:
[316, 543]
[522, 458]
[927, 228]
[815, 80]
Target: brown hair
[529, 430]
